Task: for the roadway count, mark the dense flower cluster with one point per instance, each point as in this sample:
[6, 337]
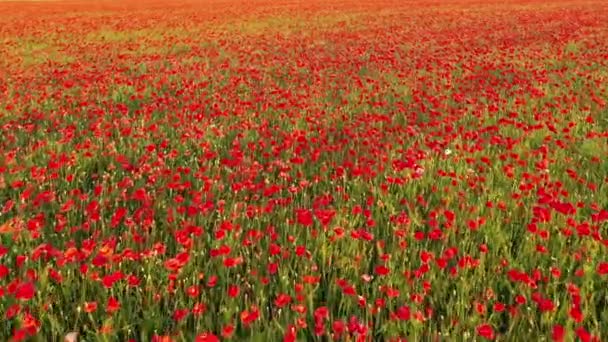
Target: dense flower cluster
[304, 170]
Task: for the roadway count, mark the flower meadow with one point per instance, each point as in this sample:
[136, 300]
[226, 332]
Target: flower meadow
[274, 170]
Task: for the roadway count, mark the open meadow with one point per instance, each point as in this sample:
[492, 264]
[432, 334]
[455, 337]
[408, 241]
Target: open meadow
[284, 170]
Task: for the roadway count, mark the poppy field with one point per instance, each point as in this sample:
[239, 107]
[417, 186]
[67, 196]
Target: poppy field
[277, 170]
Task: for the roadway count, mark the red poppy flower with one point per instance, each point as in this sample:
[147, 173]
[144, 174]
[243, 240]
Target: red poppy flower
[90, 307]
[25, 291]
[486, 331]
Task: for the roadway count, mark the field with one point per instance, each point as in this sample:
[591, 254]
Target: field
[273, 170]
